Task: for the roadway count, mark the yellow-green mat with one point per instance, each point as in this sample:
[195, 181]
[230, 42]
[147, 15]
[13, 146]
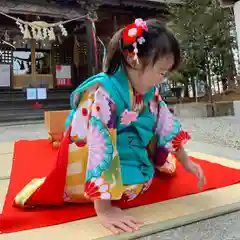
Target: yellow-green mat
[6, 150]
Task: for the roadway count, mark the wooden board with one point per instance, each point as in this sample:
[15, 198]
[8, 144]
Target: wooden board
[5, 166]
[6, 147]
[157, 217]
[6, 150]
[3, 191]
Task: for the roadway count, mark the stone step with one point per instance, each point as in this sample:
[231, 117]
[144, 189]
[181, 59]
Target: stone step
[23, 118]
[24, 98]
[15, 107]
[10, 106]
[21, 95]
[31, 110]
[21, 122]
[21, 91]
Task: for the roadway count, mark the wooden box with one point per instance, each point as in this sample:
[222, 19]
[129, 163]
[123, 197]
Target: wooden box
[55, 123]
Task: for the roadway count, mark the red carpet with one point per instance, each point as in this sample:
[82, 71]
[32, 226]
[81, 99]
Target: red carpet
[34, 159]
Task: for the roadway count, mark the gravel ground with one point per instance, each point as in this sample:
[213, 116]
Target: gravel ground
[223, 131]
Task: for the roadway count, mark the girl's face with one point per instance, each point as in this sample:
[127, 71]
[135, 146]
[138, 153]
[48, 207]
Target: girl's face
[156, 74]
[144, 80]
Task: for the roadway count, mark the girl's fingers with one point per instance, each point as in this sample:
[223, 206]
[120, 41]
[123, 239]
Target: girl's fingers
[123, 226]
[199, 173]
[132, 225]
[119, 227]
[200, 176]
[137, 221]
[204, 180]
[112, 229]
[201, 182]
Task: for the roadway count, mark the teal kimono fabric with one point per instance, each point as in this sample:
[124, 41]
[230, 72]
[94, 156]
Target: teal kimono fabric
[133, 138]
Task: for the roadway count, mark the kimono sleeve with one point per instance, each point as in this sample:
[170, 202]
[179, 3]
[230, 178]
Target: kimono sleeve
[169, 130]
[103, 176]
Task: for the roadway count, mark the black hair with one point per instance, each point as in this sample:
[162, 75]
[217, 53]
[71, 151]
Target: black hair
[160, 42]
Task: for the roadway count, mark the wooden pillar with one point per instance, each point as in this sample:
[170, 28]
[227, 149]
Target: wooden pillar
[92, 50]
[33, 60]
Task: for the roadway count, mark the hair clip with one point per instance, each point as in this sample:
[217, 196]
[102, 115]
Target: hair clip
[132, 35]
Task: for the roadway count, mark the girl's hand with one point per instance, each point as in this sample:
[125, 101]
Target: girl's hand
[114, 219]
[191, 167]
[196, 170]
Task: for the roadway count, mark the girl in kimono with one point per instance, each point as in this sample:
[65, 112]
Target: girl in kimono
[120, 131]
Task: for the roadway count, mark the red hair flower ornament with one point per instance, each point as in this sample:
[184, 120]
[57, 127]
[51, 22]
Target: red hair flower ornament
[133, 35]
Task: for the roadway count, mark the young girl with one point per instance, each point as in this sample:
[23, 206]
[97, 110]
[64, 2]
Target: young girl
[110, 138]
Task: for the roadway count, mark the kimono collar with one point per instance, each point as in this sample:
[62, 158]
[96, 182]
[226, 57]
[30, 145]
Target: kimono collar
[124, 90]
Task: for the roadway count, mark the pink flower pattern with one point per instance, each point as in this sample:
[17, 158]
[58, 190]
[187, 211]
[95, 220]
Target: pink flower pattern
[165, 122]
[128, 117]
[153, 107]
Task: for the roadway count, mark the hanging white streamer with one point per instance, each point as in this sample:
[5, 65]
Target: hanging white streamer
[39, 34]
[20, 25]
[26, 33]
[63, 30]
[45, 33]
[51, 34]
[48, 31]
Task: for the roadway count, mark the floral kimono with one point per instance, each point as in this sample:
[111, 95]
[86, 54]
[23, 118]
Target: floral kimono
[108, 151]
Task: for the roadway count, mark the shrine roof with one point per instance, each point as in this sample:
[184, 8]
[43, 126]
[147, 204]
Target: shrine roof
[73, 8]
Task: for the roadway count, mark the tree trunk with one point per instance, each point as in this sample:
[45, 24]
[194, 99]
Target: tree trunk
[210, 98]
[193, 86]
[218, 85]
[186, 90]
[231, 82]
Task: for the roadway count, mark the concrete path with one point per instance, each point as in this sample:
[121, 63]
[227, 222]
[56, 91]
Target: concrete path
[213, 149]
